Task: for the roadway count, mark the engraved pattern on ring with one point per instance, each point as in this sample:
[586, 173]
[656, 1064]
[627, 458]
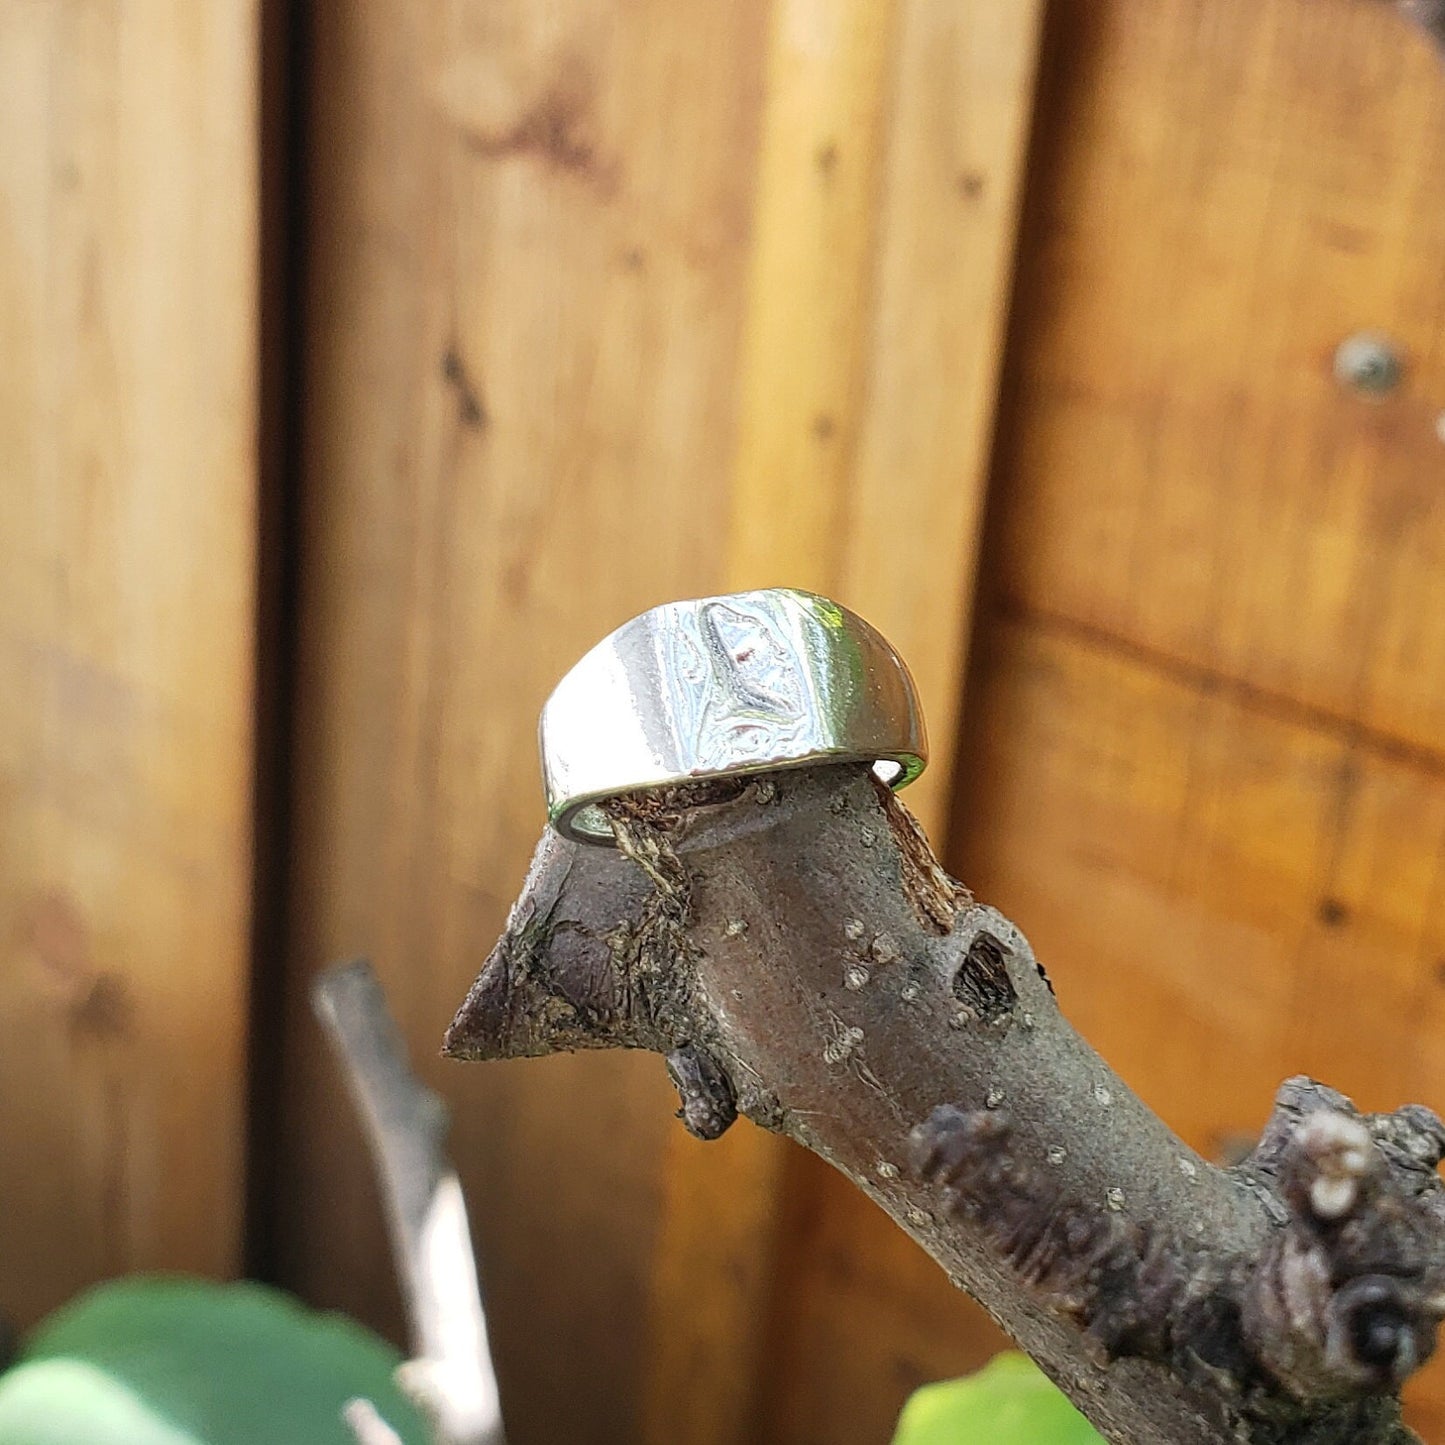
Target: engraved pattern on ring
[740, 694]
[714, 685]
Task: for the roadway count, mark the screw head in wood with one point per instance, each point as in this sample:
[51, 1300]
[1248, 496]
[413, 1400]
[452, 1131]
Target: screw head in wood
[1369, 364]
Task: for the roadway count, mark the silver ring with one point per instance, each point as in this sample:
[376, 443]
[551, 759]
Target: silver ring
[725, 685]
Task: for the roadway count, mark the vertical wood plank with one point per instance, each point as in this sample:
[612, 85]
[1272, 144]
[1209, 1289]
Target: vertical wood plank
[1223, 199]
[889, 180]
[1162, 837]
[822, 132]
[963, 98]
[810, 290]
[890, 167]
[1204, 759]
[529, 235]
[128, 299]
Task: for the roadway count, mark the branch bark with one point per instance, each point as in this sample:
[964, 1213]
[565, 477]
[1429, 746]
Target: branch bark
[794, 950]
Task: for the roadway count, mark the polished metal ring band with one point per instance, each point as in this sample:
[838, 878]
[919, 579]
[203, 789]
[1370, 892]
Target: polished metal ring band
[720, 686]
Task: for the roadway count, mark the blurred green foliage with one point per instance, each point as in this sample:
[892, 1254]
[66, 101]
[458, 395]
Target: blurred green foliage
[1009, 1402]
[172, 1361]
[163, 1360]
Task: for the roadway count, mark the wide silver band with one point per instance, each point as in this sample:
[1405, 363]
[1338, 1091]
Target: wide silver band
[721, 685]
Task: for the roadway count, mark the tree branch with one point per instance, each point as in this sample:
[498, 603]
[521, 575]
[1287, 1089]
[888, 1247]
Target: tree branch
[792, 947]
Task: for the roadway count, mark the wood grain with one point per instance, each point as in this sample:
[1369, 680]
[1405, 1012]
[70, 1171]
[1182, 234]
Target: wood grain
[1221, 895]
[889, 173]
[1204, 761]
[963, 100]
[528, 247]
[1221, 198]
[862, 1318]
[823, 116]
[889, 181]
[128, 295]
[536, 309]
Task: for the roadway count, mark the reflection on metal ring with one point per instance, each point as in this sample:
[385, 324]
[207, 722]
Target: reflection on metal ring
[719, 686]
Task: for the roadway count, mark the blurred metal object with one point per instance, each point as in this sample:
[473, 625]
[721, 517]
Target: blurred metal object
[1368, 363]
[451, 1377]
[717, 686]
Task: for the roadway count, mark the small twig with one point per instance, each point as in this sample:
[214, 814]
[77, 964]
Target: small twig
[452, 1377]
[366, 1424]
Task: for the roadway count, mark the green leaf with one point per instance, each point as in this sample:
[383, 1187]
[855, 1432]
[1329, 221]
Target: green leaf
[1009, 1402]
[173, 1361]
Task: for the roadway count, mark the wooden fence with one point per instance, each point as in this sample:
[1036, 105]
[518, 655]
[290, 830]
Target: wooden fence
[364, 364]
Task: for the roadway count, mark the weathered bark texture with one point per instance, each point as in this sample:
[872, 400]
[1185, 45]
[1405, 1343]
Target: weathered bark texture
[792, 947]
